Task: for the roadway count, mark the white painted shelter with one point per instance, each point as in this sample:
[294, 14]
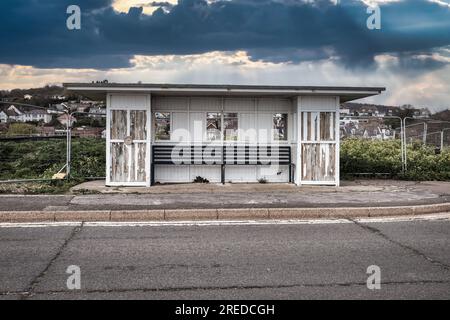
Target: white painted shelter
[165, 133]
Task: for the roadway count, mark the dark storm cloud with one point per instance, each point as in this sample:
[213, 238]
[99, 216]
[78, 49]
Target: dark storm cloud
[35, 33]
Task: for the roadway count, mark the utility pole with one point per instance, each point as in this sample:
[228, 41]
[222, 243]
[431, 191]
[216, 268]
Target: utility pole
[68, 139]
[405, 140]
[425, 129]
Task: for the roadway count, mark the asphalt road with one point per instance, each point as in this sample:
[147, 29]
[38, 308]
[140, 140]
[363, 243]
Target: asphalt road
[273, 261]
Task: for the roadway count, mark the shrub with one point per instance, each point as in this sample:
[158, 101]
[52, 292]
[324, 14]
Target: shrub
[262, 180]
[199, 179]
[374, 156]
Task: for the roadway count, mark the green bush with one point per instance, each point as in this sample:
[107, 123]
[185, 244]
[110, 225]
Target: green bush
[424, 164]
[375, 156]
[42, 159]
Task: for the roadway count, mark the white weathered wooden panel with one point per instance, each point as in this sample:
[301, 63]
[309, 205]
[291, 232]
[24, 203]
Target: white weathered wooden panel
[180, 126]
[118, 124]
[138, 124]
[239, 105]
[247, 127]
[318, 126]
[292, 127]
[169, 103]
[197, 126]
[186, 173]
[274, 105]
[273, 173]
[265, 125]
[318, 162]
[206, 104]
[212, 173]
[170, 173]
[309, 103]
[137, 101]
[240, 173]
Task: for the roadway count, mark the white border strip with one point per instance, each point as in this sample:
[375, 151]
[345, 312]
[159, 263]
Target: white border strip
[428, 217]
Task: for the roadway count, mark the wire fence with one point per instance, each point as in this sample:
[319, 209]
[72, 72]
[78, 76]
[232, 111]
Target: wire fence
[430, 134]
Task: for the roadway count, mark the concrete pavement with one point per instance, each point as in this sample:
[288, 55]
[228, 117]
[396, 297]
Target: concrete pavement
[274, 261]
[210, 201]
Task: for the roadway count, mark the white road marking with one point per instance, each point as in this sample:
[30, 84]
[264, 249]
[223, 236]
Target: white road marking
[429, 217]
[424, 217]
[39, 224]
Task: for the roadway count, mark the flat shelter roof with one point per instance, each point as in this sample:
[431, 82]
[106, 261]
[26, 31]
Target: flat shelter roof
[98, 91]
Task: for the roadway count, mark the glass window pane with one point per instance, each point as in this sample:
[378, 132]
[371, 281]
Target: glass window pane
[213, 125]
[162, 125]
[280, 126]
[230, 126]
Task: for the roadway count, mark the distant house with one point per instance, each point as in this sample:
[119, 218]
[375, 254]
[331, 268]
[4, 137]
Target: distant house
[345, 111]
[423, 113]
[39, 115]
[58, 97]
[13, 113]
[97, 112]
[64, 118]
[19, 115]
[58, 107]
[28, 97]
[3, 117]
[79, 107]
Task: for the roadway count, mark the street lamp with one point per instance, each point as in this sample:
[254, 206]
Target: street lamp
[405, 144]
[68, 139]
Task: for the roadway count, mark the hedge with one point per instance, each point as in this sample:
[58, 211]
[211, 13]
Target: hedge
[42, 159]
[376, 156]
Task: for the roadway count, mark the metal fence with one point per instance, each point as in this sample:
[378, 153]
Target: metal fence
[410, 131]
[69, 154]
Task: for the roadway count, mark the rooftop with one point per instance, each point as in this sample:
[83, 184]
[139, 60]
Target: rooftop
[99, 90]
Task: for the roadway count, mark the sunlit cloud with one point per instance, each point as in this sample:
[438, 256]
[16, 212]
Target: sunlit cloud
[430, 89]
[148, 6]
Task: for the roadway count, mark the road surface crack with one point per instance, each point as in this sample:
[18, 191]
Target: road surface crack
[33, 284]
[402, 245]
[236, 287]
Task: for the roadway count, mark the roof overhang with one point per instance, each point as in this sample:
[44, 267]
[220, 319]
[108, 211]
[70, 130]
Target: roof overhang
[98, 91]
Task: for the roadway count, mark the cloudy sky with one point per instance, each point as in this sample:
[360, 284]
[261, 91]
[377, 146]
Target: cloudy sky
[286, 42]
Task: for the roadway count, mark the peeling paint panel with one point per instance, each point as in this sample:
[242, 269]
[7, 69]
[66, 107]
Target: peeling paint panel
[318, 146]
[138, 124]
[119, 161]
[118, 124]
[128, 159]
[327, 126]
[318, 161]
